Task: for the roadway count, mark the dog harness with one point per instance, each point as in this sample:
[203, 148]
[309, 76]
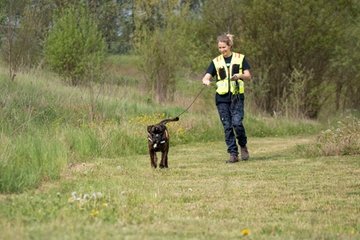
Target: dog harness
[223, 82]
[163, 140]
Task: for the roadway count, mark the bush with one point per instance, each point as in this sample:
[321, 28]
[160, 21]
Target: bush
[75, 45]
[342, 139]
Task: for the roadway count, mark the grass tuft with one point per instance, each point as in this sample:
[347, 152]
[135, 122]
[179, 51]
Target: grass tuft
[341, 139]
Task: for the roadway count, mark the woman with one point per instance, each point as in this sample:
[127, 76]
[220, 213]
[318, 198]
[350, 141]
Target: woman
[230, 69]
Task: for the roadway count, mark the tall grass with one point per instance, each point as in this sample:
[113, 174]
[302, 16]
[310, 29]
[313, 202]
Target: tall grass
[342, 138]
[29, 160]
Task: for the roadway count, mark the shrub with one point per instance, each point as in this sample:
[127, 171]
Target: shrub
[75, 45]
[342, 139]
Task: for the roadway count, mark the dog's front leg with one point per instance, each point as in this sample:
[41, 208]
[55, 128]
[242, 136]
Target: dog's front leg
[153, 159]
[164, 159]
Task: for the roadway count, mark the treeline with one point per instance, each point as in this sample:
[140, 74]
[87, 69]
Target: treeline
[304, 55]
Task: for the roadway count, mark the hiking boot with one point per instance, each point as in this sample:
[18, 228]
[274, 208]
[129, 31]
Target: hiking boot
[244, 153]
[233, 159]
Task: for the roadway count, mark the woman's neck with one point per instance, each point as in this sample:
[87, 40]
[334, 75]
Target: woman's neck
[227, 55]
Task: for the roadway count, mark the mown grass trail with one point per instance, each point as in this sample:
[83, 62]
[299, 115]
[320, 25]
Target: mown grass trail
[274, 195]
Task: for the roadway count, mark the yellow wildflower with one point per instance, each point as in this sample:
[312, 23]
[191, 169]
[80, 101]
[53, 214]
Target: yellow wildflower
[245, 232]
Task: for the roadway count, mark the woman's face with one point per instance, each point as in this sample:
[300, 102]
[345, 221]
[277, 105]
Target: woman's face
[224, 49]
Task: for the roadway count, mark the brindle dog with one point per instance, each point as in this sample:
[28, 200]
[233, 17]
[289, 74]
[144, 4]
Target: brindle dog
[158, 141]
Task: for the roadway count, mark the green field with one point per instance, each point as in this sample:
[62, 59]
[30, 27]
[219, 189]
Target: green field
[274, 195]
[64, 175]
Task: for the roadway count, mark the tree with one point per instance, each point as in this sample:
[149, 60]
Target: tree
[163, 42]
[214, 21]
[12, 45]
[287, 36]
[345, 73]
[74, 44]
[35, 21]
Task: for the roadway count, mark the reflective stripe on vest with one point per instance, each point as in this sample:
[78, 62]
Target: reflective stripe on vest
[225, 85]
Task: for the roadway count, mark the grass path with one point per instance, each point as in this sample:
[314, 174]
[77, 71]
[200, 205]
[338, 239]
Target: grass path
[274, 195]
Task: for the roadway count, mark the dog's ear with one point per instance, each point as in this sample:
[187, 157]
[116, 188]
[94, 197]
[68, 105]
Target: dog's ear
[149, 128]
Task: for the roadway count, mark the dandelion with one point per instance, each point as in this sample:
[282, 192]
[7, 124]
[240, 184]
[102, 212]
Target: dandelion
[85, 172]
[86, 196]
[93, 196]
[118, 167]
[94, 212]
[73, 197]
[104, 204]
[245, 232]
[352, 232]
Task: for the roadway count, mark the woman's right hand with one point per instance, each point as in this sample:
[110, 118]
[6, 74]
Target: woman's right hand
[206, 79]
[206, 82]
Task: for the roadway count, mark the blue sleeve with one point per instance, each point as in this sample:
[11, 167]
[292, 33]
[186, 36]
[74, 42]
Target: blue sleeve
[245, 65]
[211, 69]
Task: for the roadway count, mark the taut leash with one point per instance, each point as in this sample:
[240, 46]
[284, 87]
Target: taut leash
[193, 101]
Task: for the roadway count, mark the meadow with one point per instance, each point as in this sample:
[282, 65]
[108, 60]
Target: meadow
[64, 176]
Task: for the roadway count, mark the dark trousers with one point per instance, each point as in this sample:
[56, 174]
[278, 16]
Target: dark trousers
[231, 116]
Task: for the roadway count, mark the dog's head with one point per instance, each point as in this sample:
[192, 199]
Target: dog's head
[157, 133]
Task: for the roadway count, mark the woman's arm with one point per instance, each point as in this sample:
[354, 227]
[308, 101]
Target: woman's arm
[244, 76]
[206, 79]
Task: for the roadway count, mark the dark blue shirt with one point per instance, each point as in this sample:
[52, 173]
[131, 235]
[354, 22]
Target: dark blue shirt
[212, 70]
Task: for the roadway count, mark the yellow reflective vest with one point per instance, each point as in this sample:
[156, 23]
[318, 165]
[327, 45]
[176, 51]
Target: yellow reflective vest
[223, 74]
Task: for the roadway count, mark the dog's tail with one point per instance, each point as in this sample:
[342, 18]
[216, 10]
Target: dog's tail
[163, 122]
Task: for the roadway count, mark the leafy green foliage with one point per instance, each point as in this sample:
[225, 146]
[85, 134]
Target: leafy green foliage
[75, 45]
[162, 42]
[317, 39]
[346, 64]
[293, 35]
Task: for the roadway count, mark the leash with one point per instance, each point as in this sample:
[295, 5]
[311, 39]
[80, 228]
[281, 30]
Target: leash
[192, 101]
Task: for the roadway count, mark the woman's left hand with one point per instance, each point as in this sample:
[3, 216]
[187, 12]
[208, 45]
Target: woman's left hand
[234, 77]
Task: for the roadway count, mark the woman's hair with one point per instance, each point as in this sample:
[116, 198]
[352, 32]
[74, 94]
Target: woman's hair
[228, 39]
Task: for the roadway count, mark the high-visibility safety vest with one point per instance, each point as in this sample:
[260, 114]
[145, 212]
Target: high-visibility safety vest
[223, 82]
